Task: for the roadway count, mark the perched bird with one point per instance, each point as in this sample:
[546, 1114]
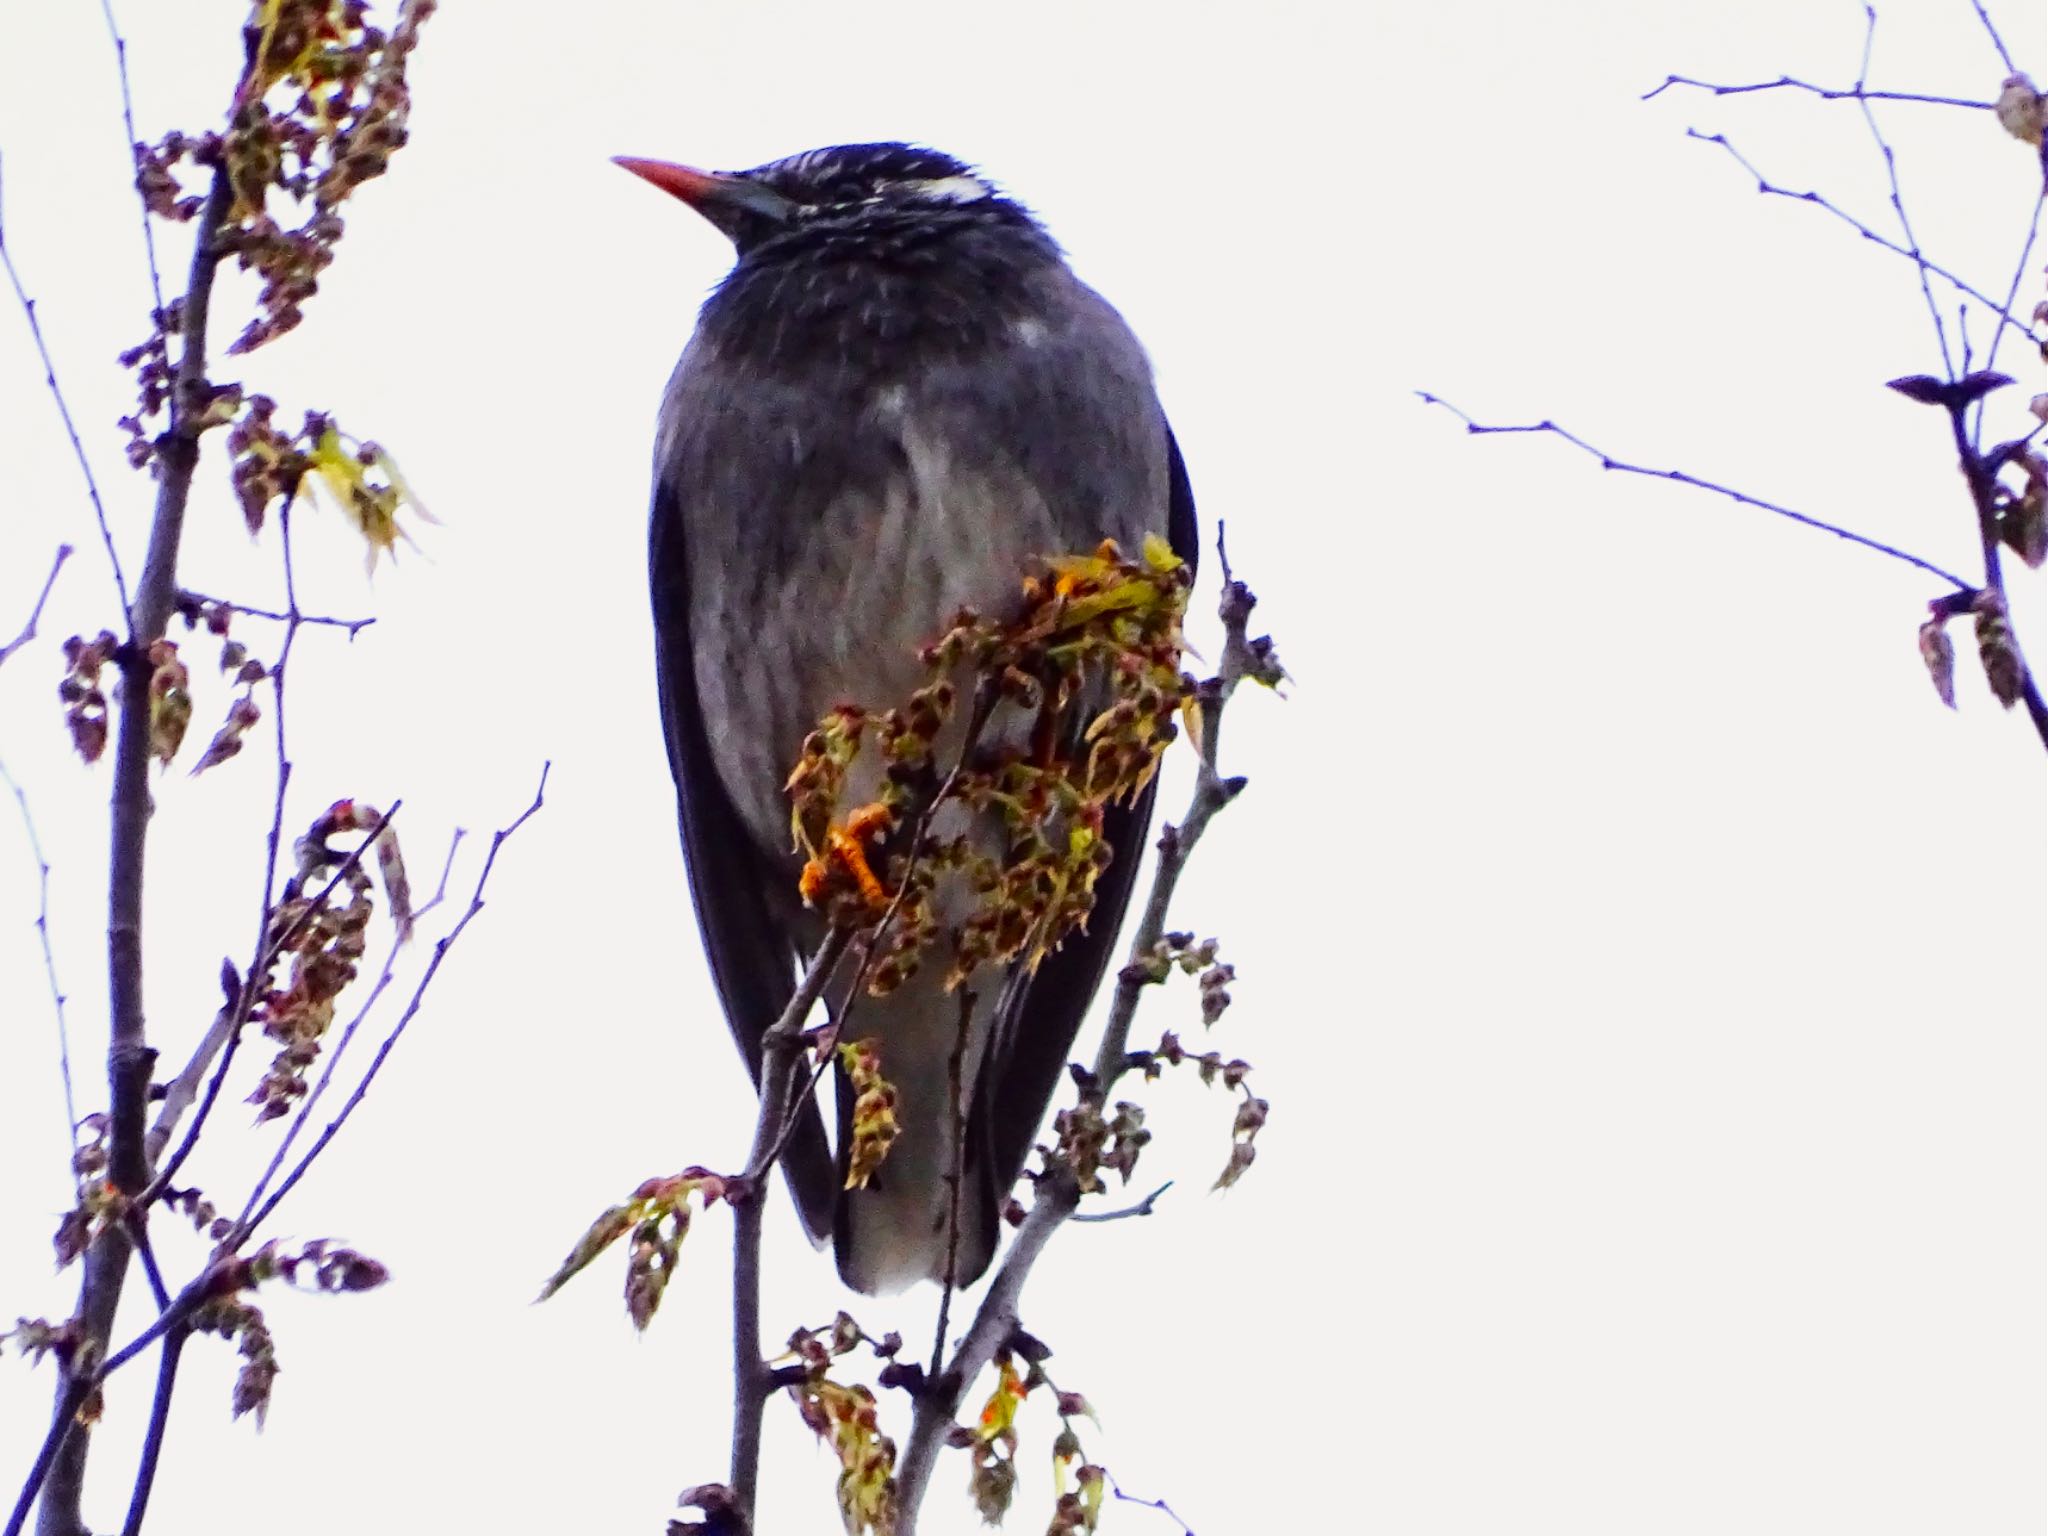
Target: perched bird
[898, 396]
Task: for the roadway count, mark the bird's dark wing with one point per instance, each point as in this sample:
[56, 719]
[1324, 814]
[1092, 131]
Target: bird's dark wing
[753, 955]
[1038, 1038]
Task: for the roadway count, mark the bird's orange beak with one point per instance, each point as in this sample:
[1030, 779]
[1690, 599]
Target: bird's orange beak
[693, 186]
[716, 197]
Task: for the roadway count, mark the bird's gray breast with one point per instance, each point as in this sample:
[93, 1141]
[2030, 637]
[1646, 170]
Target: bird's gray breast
[838, 510]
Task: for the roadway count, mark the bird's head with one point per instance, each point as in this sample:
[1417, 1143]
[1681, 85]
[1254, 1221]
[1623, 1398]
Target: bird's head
[844, 186]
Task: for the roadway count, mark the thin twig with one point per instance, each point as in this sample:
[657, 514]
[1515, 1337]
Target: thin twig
[2012, 293]
[1891, 171]
[1057, 1194]
[956, 1135]
[153, 1436]
[71, 1398]
[1142, 1208]
[35, 848]
[138, 1234]
[1680, 477]
[156, 282]
[35, 614]
[1768, 188]
[1787, 82]
[2004, 54]
[353, 626]
[1161, 1505]
[92, 485]
[446, 942]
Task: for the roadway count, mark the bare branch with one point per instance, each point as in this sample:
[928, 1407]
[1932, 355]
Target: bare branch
[153, 1436]
[956, 1135]
[35, 614]
[1680, 477]
[35, 848]
[1857, 92]
[1142, 1208]
[1765, 186]
[2012, 293]
[1891, 171]
[138, 1234]
[353, 626]
[92, 485]
[2004, 54]
[156, 282]
[1161, 1505]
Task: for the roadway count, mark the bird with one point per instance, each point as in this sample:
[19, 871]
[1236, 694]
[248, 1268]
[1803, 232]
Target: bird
[898, 396]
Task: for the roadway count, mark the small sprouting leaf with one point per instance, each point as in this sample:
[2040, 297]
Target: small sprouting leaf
[2023, 518]
[598, 1236]
[874, 1111]
[1998, 651]
[1972, 387]
[397, 888]
[658, 1217]
[170, 700]
[373, 504]
[1939, 653]
[1923, 387]
[227, 741]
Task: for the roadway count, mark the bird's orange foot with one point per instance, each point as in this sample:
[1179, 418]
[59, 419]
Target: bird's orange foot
[844, 847]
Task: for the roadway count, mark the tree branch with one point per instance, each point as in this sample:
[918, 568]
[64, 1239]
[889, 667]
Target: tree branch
[92, 485]
[1057, 1195]
[2004, 53]
[35, 848]
[1680, 477]
[353, 626]
[35, 614]
[156, 282]
[1161, 1505]
[1891, 171]
[1765, 186]
[129, 1058]
[159, 1420]
[1982, 480]
[1856, 92]
[750, 1375]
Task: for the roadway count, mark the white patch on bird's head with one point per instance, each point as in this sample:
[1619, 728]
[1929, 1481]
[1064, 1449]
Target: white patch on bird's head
[848, 178]
[964, 188]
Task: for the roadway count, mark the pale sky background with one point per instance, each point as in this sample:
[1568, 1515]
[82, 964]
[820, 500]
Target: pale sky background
[1645, 970]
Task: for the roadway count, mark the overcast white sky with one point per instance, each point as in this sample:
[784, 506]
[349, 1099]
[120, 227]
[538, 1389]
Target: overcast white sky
[1645, 970]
